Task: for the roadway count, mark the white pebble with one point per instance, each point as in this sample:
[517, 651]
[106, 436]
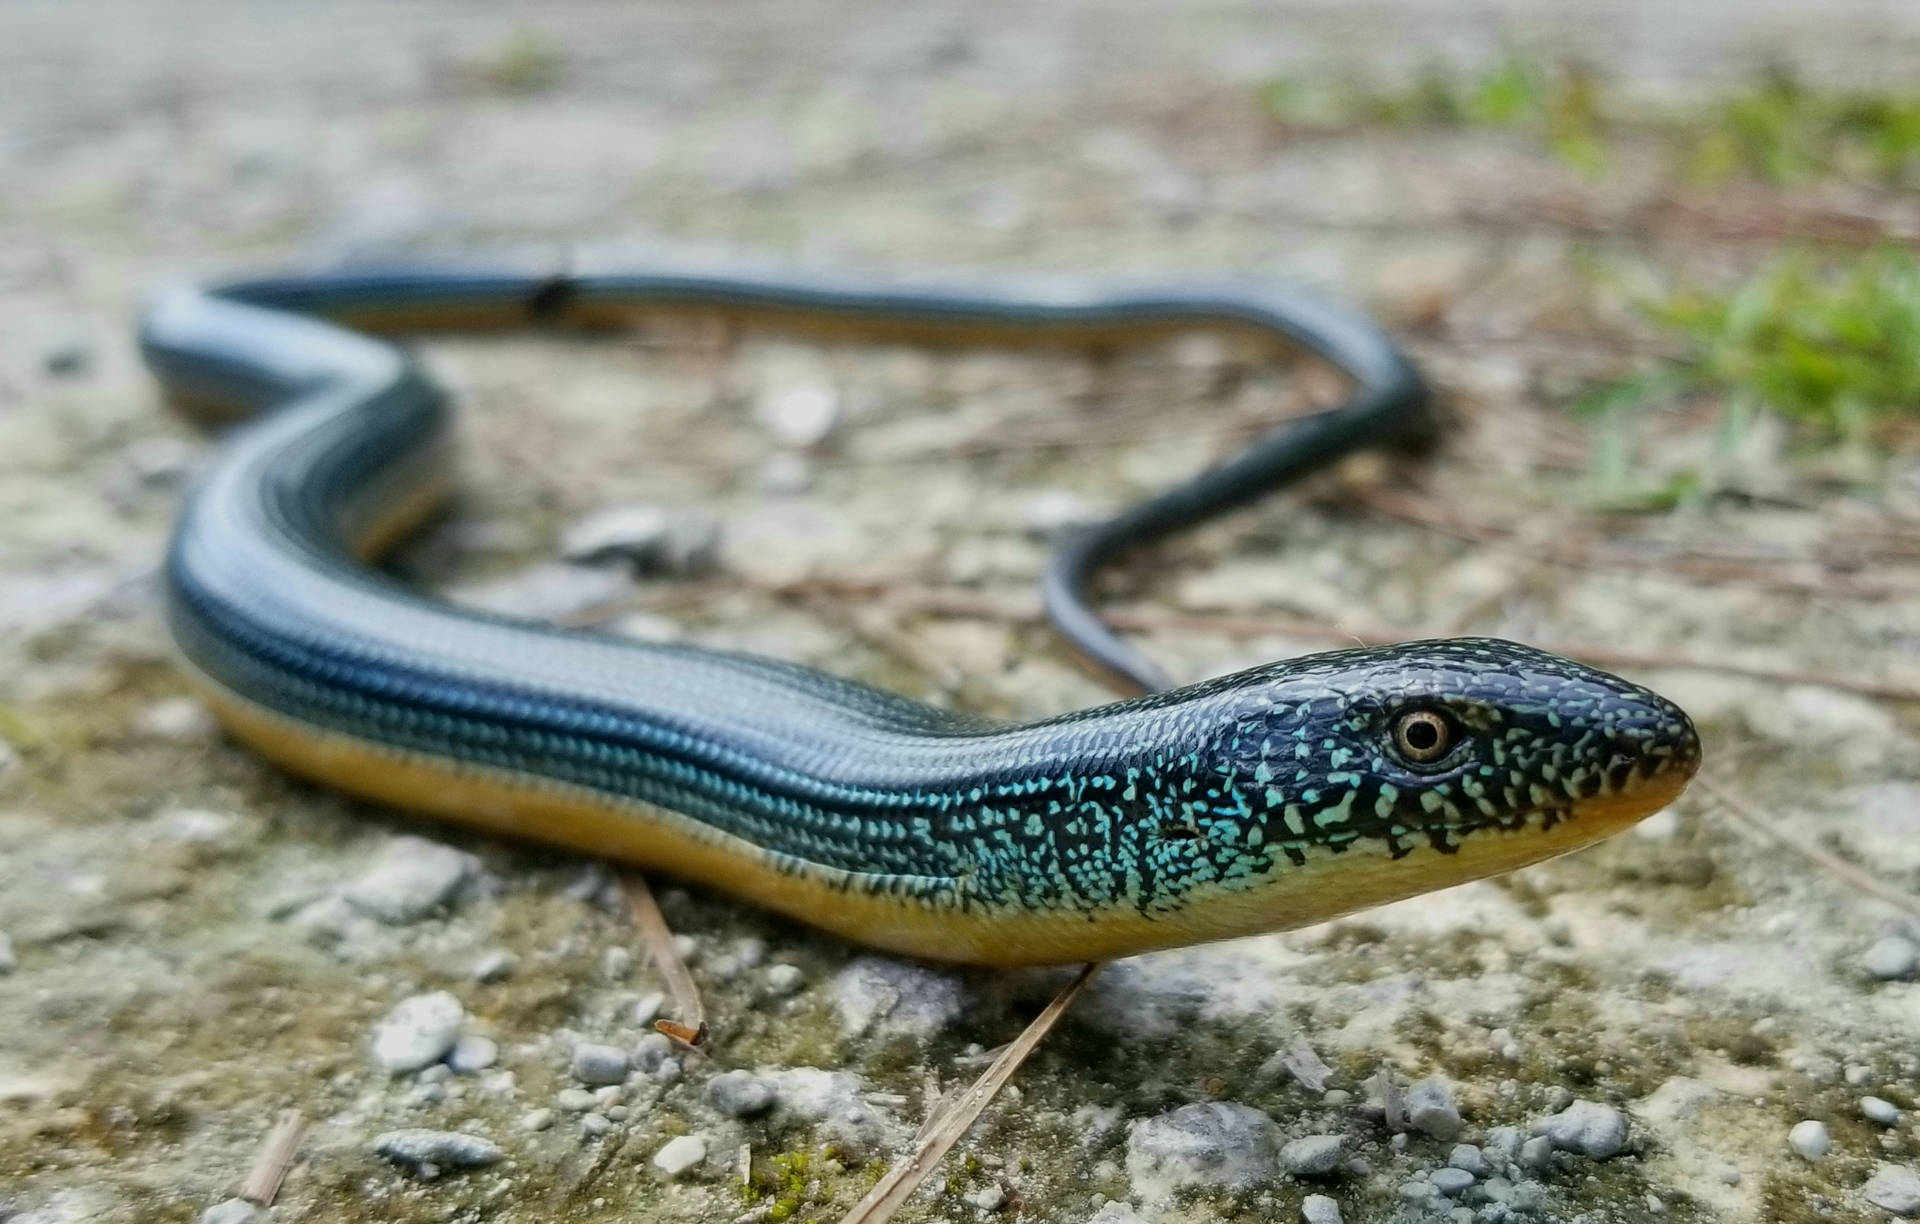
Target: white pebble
[800, 416]
[233, 1211]
[784, 980]
[418, 1032]
[1319, 1209]
[472, 1054]
[1894, 1189]
[1588, 1128]
[646, 1009]
[536, 1120]
[1880, 1110]
[594, 1125]
[1430, 1109]
[178, 720]
[493, 966]
[409, 879]
[599, 1064]
[1809, 1140]
[1312, 1156]
[1891, 958]
[989, 1198]
[679, 1154]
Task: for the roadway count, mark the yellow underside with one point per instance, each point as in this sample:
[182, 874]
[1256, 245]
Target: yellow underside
[1326, 887]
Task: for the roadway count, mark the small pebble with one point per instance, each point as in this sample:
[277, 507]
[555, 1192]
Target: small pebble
[574, 1100]
[440, 1149]
[668, 1071]
[1537, 1154]
[1416, 1191]
[409, 879]
[1503, 1144]
[619, 1113]
[233, 1211]
[784, 980]
[616, 962]
[598, 1064]
[989, 1198]
[473, 1054]
[679, 1154]
[536, 1119]
[1891, 958]
[1430, 1109]
[1054, 513]
[1729, 1176]
[801, 416]
[1312, 1156]
[1588, 1128]
[1858, 1074]
[1880, 1110]
[1452, 1182]
[176, 720]
[439, 1073]
[418, 1032]
[1894, 1189]
[609, 1096]
[1319, 1209]
[594, 1125]
[740, 1094]
[1469, 1158]
[494, 966]
[646, 1009]
[650, 1051]
[1809, 1140]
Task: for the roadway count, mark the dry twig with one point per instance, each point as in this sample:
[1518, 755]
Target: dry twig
[1752, 817]
[689, 1021]
[277, 1153]
[957, 1114]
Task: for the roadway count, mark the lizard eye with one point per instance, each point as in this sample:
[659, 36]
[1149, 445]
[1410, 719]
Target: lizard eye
[1422, 736]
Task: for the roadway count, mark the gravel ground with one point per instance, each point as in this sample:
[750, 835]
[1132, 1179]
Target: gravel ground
[1684, 1024]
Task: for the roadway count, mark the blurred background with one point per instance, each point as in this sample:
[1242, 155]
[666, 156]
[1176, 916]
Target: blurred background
[1659, 261]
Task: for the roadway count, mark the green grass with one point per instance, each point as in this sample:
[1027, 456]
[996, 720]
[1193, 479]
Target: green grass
[1831, 345]
[1558, 102]
[1776, 129]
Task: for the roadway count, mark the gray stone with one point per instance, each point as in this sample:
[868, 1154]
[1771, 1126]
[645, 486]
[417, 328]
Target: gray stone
[786, 473]
[784, 980]
[1880, 1111]
[1217, 1145]
[651, 1051]
[420, 1148]
[1469, 1158]
[833, 1103]
[1536, 1154]
[1431, 1111]
[233, 1211]
[1891, 958]
[1810, 1140]
[472, 1054]
[536, 1119]
[1894, 1189]
[1313, 1155]
[647, 538]
[417, 1032]
[679, 1154]
[740, 1094]
[1452, 1182]
[1319, 1209]
[574, 1100]
[594, 1125]
[1502, 1146]
[881, 997]
[1052, 513]
[801, 415]
[598, 1064]
[1587, 1128]
[494, 966]
[409, 879]
[989, 1198]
